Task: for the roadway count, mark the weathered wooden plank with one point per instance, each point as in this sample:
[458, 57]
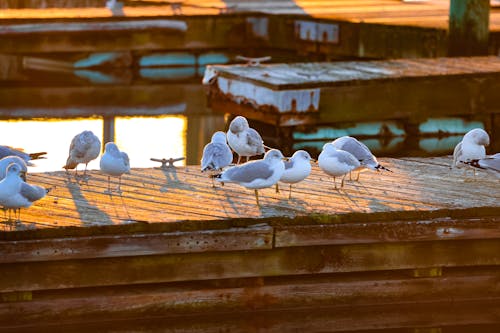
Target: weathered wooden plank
[284, 294]
[63, 274]
[311, 235]
[253, 238]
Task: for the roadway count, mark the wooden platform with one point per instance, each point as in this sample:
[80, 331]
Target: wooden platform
[339, 28]
[173, 246]
[184, 194]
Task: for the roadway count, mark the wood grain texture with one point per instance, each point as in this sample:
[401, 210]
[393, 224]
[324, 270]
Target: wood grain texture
[184, 194]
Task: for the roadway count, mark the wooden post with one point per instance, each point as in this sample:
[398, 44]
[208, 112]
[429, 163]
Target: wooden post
[108, 130]
[469, 27]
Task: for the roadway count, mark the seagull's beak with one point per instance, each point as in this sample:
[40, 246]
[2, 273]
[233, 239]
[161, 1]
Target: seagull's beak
[22, 174]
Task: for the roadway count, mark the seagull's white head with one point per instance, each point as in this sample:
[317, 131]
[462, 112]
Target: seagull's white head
[301, 155]
[219, 137]
[274, 155]
[477, 136]
[238, 124]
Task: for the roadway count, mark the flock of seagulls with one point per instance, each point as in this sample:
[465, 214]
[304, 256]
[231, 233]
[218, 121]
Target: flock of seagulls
[337, 159]
[15, 193]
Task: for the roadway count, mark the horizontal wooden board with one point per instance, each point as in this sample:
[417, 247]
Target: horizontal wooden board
[285, 294]
[64, 274]
[252, 238]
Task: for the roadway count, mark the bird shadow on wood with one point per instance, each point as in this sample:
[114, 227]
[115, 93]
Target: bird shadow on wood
[89, 214]
[173, 181]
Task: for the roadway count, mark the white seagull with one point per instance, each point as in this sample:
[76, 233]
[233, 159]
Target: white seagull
[297, 168]
[472, 147]
[114, 163]
[216, 154]
[84, 148]
[490, 163]
[256, 174]
[4, 163]
[360, 151]
[15, 193]
[335, 162]
[244, 140]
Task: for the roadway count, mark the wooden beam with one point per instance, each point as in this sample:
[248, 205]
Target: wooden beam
[469, 27]
[32, 276]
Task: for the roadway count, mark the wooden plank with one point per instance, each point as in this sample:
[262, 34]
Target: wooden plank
[252, 238]
[352, 233]
[264, 295]
[63, 274]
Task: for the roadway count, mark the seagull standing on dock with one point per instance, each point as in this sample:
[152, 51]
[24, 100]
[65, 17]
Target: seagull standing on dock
[360, 151]
[256, 174]
[216, 154]
[490, 164]
[244, 140]
[297, 168]
[336, 162]
[15, 193]
[114, 163]
[84, 148]
[472, 147]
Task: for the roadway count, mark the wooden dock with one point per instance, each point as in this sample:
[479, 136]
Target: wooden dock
[172, 245]
[407, 90]
[329, 29]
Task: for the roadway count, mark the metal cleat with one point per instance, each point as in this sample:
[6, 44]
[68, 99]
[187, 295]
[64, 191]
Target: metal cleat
[167, 163]
[253, 62]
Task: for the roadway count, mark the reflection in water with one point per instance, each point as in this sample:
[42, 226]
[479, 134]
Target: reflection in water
[141, 137]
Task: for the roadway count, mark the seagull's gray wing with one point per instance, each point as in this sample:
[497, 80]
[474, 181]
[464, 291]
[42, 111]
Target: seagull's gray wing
[457, 154]
[358, 149]
[216, 156]
[248, 172]
[253, 138]
[32, 192]
[346, 157]
[9, 151]
[491, 163]
[288, 164]
[126, 160]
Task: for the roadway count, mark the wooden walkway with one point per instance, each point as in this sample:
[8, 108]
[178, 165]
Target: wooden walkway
[184, 194]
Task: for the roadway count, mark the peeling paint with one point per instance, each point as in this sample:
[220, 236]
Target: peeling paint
[298, 100]
[317, 32]
[259, 26]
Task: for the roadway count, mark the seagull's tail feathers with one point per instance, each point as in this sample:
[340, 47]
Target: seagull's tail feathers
[38, 156]
[474, 163]
[70, 164]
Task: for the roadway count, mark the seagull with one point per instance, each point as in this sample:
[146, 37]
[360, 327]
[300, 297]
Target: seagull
[243, 140]
[4, 163]
[9, 151]
[336, 162]
[297, 168]
[472, 147]
[114, 163]
[360, 151]
[84, 148]
[490, 163]
[15, 193]
[216, 154]
[256, 174]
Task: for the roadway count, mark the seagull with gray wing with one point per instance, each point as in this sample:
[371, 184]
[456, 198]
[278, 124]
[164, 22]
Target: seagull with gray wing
[256, 174]
[297, 168]
[244, 140]
[84, 148]
[216, 154]
[472, 147]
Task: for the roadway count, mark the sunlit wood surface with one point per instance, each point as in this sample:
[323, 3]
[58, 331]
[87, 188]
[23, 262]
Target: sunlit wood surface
[184, 193]
[425, 13]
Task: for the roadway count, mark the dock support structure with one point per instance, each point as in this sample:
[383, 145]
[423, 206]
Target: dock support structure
[469, 27]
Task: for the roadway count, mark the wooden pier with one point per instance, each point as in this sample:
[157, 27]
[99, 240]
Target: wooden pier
[172, 245]
[407, 90]
[330, 29]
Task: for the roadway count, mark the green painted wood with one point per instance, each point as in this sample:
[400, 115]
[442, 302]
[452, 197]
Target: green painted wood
[469, 27]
